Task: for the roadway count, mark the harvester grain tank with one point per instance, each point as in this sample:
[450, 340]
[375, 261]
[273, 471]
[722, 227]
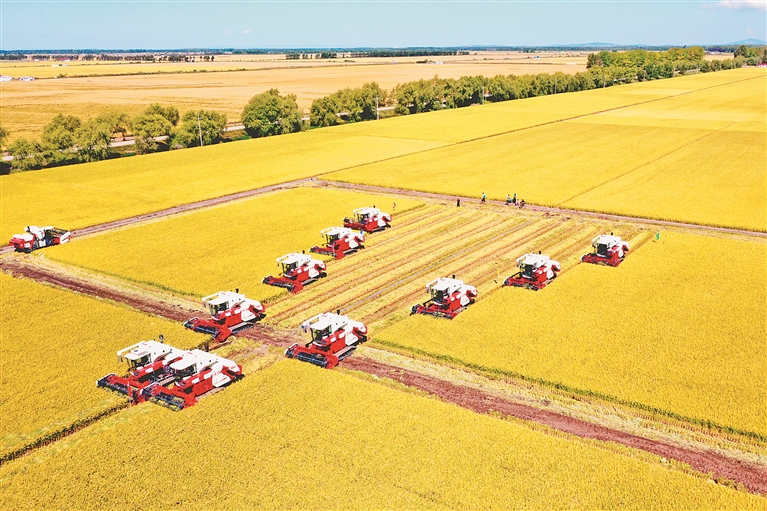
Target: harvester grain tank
[35, 237]
[230, 313]
[339, 242]
[535, 272]
[368, 220]
[298, 270]
[333, 338]
[169, 376]
[608, 250]
[447, 298]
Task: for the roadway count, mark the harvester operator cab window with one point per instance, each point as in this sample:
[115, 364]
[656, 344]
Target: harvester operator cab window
[318, 334]
[437, 295]
[288, 267]
[139, 362]
[602, 249]
[331, 238]
[215, 308]
[362, 217]
[527, 270]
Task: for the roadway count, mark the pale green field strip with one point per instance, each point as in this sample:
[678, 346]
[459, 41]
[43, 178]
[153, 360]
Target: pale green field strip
[266, 439]
[676, 305]
[55, 345]
[696, 158]
[234, 245]
[87, 194]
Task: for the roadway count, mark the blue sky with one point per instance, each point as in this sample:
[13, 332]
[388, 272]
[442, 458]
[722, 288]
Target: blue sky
[249, 24]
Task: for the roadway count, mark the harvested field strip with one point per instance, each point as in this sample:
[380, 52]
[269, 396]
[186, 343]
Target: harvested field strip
[344, 272]
[472, 232]
[478, 258]
[393, 280]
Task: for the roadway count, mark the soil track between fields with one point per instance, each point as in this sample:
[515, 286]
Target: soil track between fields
[753, 477]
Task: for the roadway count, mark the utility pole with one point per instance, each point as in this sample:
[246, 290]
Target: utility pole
[376, 107]
[199, 128]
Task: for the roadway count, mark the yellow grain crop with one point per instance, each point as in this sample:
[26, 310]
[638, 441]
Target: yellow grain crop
[226, 247]
[82, 195]
[294, 436]
[696, 156]
[679, 326]
[55, 345]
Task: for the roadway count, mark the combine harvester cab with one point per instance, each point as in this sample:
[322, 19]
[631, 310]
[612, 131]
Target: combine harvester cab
[35, 237]
[608, 250]
[194, 374]
[535, 271]
[448, 297]
[334, 337]
[230, 313]
[298, 270]
[339, 242]
[368, 219]
[148, 364]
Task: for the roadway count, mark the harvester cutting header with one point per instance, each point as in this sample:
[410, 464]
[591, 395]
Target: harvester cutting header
[35, 237]
[608, 250]
[535, 272]
[369, 220]
[230, 313]
[334, 337]
[339, 242]
[169, 376]
[447, 298]
[298, 270]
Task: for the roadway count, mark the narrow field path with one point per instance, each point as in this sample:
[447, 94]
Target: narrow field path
[751, 475]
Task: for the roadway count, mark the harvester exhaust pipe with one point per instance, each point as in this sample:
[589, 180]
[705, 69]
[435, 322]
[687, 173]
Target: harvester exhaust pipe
[237, 290]
[338, 311]
[162, 338]
[453, 276]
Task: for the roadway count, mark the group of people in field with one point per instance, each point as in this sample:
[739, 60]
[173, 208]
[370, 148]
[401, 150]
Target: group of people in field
[510, 201]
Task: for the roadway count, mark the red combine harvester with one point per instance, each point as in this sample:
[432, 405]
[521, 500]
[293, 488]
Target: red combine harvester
[230, 313]
[608, 249]
[169, 376]
[334, 337]
[298, 270]
[340, 241]
[368, 220]
[35, 237]
[448, 298]
[535, 271]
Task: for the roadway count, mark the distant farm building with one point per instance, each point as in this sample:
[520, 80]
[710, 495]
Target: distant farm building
[27, 78]
[5, 78]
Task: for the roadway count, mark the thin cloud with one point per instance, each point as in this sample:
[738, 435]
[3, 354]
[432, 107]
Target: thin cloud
[758, 5]
[247, 31]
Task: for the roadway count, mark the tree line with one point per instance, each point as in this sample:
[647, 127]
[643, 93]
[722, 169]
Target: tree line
[67, 139]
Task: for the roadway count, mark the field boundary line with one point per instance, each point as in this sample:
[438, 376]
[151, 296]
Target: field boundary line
[547, 209]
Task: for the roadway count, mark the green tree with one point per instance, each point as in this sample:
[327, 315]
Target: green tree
[211, 126]
[271, 114]
[148, 127]
[116, 122]
[170, 112]
[93, 141]
[741, 51]
[27, 155]
[59, 137]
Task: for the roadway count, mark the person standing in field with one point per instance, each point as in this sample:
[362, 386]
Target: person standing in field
[483, 198]
[457, 203]
[508, 199]
[514, 199]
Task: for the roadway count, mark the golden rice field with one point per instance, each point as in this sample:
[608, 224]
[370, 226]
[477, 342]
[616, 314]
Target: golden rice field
[55, 345]
[78, 196]
[679, 326]
[670, 159]
[524, 162]
[293, 436]
[225, 247]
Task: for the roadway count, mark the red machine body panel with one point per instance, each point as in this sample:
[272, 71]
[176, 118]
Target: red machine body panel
[35, 237]
[536, 271]
[334, 337]
[340, 242]
[298, 270]
[230, 313]
[369, 220]
[609, 250]
[448, 297]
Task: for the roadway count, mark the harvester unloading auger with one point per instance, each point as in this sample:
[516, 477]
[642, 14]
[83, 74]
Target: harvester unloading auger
[535, 271]
[339, 242]
[298, 270]
[608, 250]
[448, 297]
[230, 313]
[169, 376]
[368, 220]
[334, 337]
[35, 237]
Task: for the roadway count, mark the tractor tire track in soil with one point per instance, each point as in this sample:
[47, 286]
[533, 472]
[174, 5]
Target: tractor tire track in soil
[753, 477]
